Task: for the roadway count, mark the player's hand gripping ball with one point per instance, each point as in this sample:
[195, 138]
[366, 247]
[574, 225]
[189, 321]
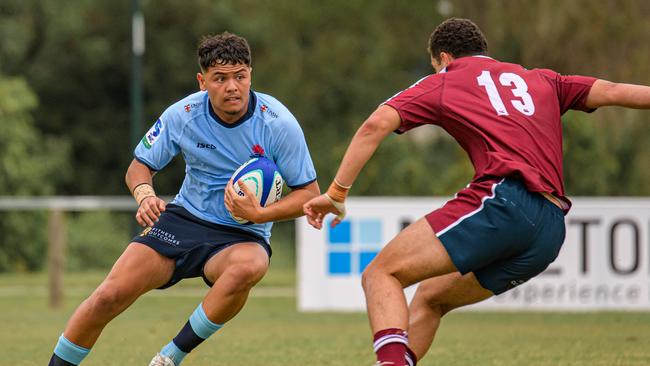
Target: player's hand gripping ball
[262, 178]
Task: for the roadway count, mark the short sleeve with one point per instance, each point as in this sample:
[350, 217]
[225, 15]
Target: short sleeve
[161, 143]
[291, 154]
[572, 91]
[419, 104]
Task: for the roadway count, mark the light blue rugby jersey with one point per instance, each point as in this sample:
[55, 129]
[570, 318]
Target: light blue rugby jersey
[213, 150]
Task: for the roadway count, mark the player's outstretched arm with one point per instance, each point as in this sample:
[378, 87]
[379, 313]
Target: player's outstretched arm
[139, 179]
[364, 143]
[606, 93]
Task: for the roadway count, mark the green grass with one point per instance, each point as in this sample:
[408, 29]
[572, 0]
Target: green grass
[270, 331]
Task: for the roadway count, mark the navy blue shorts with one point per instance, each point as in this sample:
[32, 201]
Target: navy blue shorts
[191, 241]
[500, 231]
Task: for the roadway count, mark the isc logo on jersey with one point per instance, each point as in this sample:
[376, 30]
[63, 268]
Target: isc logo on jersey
[153, 134]
[262, 177]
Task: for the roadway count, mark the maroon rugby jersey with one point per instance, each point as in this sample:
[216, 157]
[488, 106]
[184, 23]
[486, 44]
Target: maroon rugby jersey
[507, 118]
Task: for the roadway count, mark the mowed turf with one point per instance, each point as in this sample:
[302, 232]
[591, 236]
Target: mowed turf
[270, 332]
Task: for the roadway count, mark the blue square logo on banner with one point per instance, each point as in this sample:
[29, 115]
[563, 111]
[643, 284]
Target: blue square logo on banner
[365, 258]
[352, 245]
[340, 263]
[341, 233]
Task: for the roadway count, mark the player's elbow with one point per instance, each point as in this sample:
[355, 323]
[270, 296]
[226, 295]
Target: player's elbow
[605, 93]
[374, 126]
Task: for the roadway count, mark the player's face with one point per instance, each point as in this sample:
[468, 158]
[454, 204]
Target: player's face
[228, 88]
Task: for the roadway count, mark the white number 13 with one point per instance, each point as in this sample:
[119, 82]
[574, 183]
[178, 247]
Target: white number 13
[520, 90]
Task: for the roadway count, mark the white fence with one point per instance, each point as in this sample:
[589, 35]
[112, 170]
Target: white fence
[57, 208]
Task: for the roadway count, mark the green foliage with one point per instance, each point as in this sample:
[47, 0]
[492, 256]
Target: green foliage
[23, 243]
[30, 165]
[586, 154]
[96, 239]
[331, 62]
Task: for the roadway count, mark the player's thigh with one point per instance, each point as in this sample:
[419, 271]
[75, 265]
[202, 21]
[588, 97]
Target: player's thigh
[140, 269]
[249, 257]
[450, 291]
[413, 255]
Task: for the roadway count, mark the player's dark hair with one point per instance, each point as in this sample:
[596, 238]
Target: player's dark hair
[458, 37]
[223, 49]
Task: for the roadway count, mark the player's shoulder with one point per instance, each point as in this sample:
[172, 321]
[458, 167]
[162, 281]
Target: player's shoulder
[272, 111]
[190, 105]
[420, 87]
[185, 110]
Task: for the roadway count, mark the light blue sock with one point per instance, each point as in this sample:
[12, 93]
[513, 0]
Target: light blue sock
[69, 351]
[195, 331]
[201, 325]
[173, 352]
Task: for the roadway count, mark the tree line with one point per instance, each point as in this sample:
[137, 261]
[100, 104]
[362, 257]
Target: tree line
[65, 76]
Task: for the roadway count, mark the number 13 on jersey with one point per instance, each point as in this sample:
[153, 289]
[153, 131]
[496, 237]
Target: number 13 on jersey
[520, 90]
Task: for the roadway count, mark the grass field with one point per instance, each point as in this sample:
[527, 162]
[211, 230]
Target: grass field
[270, 331]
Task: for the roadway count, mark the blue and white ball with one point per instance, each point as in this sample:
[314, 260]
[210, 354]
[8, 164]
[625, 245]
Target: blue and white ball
[263, 179]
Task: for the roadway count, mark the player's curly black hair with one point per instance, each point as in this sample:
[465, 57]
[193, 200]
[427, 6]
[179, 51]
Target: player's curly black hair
[223, 49]
[458, 37]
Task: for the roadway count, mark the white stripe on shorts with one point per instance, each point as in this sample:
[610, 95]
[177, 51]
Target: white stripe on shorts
[457, 222]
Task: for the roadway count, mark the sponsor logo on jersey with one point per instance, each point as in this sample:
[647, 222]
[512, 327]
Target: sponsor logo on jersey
[153, 134]
[258, 150]
[202, 145]
[145, 231]
[188, 107]
[265, 109]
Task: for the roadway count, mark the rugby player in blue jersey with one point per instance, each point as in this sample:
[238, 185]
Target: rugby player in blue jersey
[216, 129]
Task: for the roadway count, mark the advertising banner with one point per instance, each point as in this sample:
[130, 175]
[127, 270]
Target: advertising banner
[604, 263]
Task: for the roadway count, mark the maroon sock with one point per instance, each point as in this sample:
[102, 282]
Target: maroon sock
[391, 346]
[411, 358]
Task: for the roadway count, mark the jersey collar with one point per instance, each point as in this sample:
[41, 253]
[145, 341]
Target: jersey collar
[252, 102]
[464, 59]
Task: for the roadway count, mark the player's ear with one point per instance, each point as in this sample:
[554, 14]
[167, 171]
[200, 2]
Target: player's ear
[446, 58]
[201, 80]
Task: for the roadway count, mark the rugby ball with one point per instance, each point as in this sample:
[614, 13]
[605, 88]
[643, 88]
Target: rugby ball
[262, 178]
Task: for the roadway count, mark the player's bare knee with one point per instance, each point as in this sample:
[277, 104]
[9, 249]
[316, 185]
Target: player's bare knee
[367, 277]
[107, 300]
[371, 275]
[446, 308]
[438, 304]
[245, 275]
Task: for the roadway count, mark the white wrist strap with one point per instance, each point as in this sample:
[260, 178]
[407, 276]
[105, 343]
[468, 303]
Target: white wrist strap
[340, 206]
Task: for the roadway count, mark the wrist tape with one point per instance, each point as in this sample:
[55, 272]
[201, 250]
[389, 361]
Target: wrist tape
[142, 191]
[337, 191]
